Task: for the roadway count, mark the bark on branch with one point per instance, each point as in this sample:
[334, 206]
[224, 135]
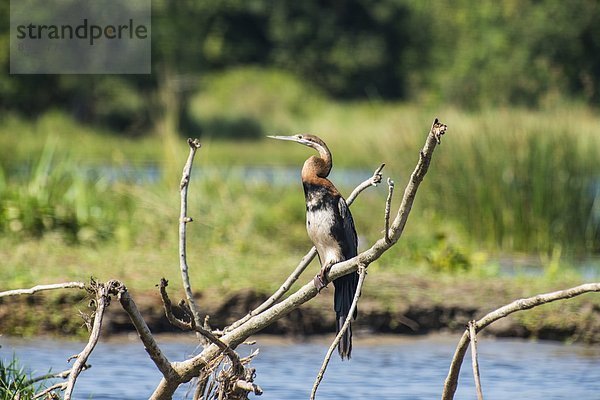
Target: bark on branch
[150, 345]
[102, 293]
[184, 219]
[40, 288]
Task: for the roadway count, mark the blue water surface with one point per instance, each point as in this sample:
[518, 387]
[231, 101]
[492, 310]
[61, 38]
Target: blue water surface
[381, 368]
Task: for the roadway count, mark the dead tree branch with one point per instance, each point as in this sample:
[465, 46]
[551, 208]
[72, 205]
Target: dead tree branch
[191, 367]
[374, 180]
[474, 362]
[57, 386]
[102, 293]
[362, 273]
[40, 288]
[451, 382]
[183, 221]
[59, 375]
[191, 326]
[388, 206]
[150, 345]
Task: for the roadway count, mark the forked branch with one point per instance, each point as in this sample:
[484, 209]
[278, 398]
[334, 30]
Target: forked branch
[191, 326]
[102, 293]
[184, 219]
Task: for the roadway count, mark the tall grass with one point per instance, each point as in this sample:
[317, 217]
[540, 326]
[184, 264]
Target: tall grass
[15, 383]
[54, 194]
[503, 180]
[522, 181]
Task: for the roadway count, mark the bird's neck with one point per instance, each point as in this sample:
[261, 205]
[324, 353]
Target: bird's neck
[317, 188]
[316, 167]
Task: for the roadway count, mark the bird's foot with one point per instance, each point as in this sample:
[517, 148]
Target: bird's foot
[320, 281]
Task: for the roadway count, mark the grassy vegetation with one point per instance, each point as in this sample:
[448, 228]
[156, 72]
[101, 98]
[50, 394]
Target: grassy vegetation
[14, 381]
[503, 181]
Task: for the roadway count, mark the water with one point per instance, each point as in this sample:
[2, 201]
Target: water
[381, 368]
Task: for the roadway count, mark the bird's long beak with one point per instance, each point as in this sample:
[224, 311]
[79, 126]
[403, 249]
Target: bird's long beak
[296, 138]
[290, 138]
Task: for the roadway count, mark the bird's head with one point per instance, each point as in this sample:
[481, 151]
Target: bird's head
[319, 166]
[307, 140]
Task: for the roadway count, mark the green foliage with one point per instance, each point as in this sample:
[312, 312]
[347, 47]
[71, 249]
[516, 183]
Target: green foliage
[473, 55]
[271, 98]
[513, 52]
[446, 257]
[523, 182]
[14, 381]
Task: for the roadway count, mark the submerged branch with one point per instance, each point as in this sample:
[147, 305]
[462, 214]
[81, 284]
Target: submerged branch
[451, 382]
[474, 361]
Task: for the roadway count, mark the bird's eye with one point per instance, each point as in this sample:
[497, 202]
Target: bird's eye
[298, 136]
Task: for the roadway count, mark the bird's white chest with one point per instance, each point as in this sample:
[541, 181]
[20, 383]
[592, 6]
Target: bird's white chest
[319, 224]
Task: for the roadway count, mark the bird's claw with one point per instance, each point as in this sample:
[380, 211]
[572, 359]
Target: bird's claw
[320, 281]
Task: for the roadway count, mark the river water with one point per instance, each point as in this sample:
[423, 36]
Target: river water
[381, 368]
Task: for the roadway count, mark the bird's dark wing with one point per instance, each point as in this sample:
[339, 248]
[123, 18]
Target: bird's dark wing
[350, 244]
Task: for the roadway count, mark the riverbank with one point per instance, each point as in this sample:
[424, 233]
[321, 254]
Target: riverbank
[400, 304]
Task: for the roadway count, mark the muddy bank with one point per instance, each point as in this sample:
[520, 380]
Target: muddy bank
[59, 315]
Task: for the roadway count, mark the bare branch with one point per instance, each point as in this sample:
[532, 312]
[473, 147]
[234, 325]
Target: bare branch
[362, 273]
[167, 305]
[235, 360]
[58, 386]
[388, 205]
[102, 292]
[433, 139]
[59, 375]
[157, 356]
[249, 387]
[518, 305]
[374, 180]
[39, 288]
[183, 221]
[283, 289]
[191, 367]
[474, 362]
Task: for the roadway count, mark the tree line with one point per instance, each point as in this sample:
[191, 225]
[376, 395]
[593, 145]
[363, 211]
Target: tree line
[472, 54]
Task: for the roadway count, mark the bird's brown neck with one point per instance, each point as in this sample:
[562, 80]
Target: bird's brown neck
[316, 167]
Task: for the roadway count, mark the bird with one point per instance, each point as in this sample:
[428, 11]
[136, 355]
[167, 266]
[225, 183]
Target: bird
[330, 227]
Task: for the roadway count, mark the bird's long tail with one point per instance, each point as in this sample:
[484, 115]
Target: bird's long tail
[345, 288]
